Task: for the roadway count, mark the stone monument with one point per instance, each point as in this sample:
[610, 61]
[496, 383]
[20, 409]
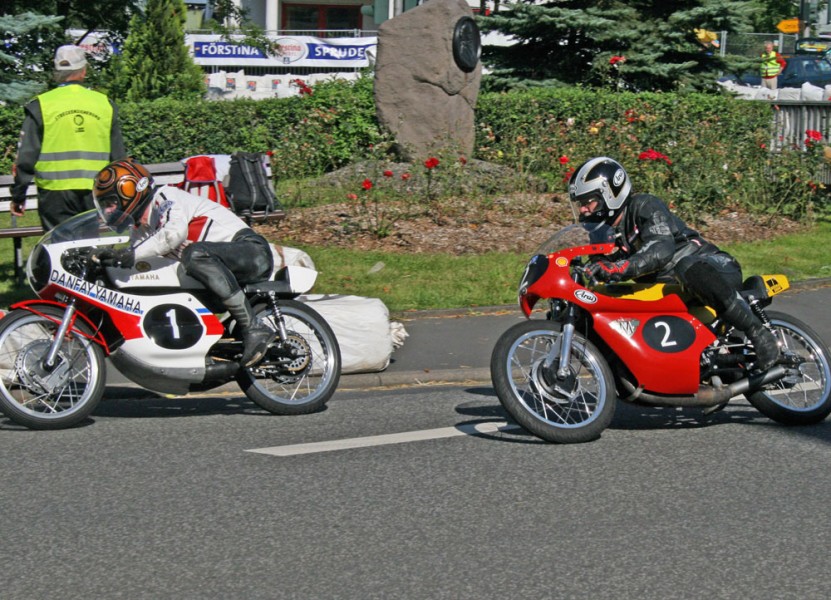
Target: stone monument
[427, 75]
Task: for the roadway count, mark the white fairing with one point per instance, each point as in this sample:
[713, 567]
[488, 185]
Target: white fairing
[301, 279]
[155, 272]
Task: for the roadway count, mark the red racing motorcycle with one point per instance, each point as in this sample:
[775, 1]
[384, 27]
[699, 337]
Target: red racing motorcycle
[650, 344]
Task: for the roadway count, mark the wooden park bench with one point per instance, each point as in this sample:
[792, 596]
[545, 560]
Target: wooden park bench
[163, 173]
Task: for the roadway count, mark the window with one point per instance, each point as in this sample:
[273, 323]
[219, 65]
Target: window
[306, 17]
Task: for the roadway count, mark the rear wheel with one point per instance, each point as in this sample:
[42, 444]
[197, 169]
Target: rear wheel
[299, 375]
[38, 397]
[570, 410]
[803, 396]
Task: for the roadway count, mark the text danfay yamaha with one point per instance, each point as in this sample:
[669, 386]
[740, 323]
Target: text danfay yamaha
[115, 299]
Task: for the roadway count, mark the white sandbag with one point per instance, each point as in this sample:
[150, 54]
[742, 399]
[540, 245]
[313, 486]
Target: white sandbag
[365, 334]
[811, 93]
[781, 93]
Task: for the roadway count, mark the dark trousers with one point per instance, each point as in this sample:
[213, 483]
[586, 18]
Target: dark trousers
[56, 206]
[223, 266]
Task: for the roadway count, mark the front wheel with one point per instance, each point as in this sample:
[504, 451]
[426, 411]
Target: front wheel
[570, 410]
[38, 397]
[299, 374]
[803, 396]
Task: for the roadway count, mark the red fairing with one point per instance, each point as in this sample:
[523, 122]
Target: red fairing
[659, 341]
[36, 307]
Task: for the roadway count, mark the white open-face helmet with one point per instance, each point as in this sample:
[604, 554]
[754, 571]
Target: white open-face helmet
[602, 179]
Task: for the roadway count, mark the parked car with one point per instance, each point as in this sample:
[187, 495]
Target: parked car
[812, 45]
[801, 68]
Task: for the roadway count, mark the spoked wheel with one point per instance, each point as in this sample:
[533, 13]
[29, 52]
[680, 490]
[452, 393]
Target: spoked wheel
[38, 397]
[298, 375]
[803, 396]
[573, 409]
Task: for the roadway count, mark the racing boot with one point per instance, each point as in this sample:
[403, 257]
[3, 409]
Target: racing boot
[255, 337]
[740, 315]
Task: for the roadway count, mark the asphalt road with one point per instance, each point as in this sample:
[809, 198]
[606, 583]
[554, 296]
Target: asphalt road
[393, 494]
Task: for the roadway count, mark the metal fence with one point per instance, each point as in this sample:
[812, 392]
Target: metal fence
[791, 121]
[752, 44]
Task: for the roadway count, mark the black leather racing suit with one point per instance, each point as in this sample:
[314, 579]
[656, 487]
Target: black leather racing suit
[661, 247]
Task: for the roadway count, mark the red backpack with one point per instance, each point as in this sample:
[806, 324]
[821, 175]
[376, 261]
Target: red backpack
[200, 180]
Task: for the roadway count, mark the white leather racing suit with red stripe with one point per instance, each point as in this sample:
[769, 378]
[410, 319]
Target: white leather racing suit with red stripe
[175, 219]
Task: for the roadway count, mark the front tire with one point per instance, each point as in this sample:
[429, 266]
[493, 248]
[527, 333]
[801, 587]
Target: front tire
[803, 396]
[300, 375]
[529, 391]
[38, 398]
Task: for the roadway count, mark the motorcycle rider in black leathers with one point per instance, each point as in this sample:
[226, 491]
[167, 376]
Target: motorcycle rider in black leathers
[655, 245]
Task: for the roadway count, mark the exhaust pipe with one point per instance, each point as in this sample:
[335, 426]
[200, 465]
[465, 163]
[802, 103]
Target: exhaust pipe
[706, 396]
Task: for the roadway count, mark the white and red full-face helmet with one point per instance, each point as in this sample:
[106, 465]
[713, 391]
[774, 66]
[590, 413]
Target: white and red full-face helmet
[122, 190]
[602, 179]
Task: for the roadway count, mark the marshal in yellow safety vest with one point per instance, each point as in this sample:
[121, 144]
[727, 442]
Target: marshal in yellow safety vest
[76, 138]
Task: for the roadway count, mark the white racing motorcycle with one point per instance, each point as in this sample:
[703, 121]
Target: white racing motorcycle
[159, 327]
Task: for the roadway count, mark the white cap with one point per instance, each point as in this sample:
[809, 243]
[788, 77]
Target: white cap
[70, 58]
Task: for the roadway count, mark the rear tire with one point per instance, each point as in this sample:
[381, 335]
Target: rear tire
[803, 396]
[526, 388]
[304, 384]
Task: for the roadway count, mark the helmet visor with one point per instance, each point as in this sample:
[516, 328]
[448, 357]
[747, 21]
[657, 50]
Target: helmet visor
[109, 208]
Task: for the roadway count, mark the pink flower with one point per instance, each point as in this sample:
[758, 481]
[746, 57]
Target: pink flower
[564, 160]
[367, 184]
[387, 173]
[405, 176]
[351, 196]
[431, 163]
[651, 154]
[813, 136]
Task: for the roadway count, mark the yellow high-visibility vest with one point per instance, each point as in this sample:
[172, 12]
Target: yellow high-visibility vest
[76, 138]
[770, 66]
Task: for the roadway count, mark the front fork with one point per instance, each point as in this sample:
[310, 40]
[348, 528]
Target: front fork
[562, 352]
[50, 361]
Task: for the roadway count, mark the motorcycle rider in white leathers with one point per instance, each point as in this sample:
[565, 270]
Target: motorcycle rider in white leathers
[215, 246]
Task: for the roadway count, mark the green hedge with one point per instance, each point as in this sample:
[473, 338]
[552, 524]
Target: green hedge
[708, 152]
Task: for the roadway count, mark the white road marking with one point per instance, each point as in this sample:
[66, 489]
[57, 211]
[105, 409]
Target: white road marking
[391, 438]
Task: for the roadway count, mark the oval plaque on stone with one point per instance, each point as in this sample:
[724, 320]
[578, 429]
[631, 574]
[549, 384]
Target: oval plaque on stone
[467, 44]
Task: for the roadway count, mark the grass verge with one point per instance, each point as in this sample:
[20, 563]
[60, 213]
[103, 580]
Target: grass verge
[408, 282]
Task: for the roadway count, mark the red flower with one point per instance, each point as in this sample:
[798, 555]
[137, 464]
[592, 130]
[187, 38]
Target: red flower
[351, 196]
[617, 59]
[651, 154]
[431, 162]
[463, 160]
[569, 173]
[387, 173]
[813, 135]
[405, 176]
[269, 153]
[564, 160]
[367, 184]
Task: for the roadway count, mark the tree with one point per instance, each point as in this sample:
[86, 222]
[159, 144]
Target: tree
[155, 62]
[21, 76]
[639, 44]
[32, 30]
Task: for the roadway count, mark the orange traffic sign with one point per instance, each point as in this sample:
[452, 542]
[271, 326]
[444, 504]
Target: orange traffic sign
[788, 25]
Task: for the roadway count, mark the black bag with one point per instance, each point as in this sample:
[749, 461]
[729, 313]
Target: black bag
[249, 188]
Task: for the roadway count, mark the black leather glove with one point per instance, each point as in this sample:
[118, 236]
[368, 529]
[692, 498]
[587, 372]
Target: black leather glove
[604, 270]
[110, 257]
